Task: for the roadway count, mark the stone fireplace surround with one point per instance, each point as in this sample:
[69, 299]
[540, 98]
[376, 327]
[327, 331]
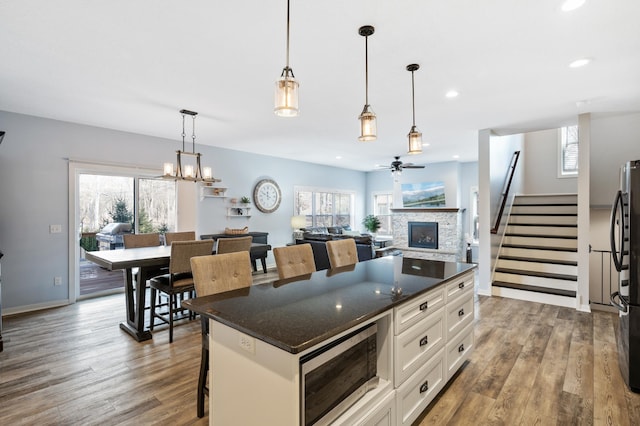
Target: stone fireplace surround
[450, 241]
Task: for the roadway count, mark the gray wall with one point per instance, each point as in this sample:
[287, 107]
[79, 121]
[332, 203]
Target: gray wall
[615, 139]
[34, 194]
[540, 165]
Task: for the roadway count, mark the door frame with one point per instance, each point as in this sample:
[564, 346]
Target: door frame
[76, 168]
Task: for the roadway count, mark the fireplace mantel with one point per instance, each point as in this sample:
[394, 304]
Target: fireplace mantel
[426, 210]
[450, 244]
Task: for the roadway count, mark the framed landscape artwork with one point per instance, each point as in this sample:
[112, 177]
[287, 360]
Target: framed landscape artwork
[425, 194]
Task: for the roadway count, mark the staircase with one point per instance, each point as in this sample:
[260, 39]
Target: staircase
[538, 257]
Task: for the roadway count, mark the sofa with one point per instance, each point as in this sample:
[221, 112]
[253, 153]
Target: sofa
[318, 241]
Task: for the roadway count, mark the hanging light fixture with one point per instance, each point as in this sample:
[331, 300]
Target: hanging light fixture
[188, 171]
[286, 102]
[415, 137]
[367, 117]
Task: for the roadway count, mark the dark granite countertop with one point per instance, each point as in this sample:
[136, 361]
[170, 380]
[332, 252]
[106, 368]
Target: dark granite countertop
[297, 314]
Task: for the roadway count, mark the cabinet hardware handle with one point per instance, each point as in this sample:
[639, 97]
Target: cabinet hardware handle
[424, 341]
[461, 312]
[424, 387]
[461, 285]
[461, 348]
[423, 306]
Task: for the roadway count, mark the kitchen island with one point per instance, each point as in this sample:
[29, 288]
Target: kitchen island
[423, 310]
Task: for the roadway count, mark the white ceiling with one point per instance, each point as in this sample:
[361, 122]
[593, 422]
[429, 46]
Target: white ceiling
[132, 65]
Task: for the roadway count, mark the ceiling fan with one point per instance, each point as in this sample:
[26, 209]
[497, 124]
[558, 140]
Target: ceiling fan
[397, 165]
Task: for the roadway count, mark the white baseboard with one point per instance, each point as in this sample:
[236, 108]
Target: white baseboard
[532, 296]
[34, 307]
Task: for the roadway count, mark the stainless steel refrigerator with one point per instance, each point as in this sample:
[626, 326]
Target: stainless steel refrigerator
[625, 250]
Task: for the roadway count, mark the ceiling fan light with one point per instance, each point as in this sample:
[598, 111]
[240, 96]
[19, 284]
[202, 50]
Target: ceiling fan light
[286, 99]
[368, 127]
[415, 141]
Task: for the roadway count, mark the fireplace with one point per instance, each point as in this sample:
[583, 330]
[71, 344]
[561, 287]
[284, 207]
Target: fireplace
[423, 235]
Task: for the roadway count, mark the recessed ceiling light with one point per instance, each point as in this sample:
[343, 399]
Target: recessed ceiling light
[579, 63]
[426, 144]
[456, 156]
[452, 94]
[570, 5]
[338, 157]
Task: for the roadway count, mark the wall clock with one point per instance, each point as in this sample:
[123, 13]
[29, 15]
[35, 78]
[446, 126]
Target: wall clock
[267, 195]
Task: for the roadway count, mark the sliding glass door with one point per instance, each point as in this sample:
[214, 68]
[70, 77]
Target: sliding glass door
[109, 204]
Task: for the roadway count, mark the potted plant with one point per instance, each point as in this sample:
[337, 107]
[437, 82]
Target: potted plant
[245, 200]
[371, 223]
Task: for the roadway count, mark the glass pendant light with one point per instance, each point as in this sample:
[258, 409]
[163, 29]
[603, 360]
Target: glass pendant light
[368, 128]
[286, 100]
[415, 137]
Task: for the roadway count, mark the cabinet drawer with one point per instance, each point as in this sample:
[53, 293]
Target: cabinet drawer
[417, 392]
[459, 315]
[383, 415]
[416, 345]
[459, 350]
[459, 286]
[411, 313]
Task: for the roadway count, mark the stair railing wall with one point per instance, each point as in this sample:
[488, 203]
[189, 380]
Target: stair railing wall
[504, 195]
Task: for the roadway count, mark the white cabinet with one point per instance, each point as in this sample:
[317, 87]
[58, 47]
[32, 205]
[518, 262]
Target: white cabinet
[413, 347]
[459, 314]
[433, 338]
[413, 396]
[414, 311]
[458, 350]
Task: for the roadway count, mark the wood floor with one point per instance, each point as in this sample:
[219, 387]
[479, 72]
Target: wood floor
[533, 364]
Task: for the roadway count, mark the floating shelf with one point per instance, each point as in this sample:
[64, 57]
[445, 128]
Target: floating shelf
[213, 192]
[239, 211]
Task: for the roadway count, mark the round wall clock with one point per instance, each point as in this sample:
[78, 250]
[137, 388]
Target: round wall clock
[267, 195]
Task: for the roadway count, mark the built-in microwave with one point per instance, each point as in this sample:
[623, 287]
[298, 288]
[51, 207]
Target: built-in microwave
[336, 376]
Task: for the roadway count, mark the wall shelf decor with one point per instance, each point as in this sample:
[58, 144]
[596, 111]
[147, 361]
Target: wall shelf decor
[239, 211]
[207, 191]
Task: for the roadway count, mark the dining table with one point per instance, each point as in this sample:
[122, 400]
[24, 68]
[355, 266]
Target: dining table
[147, 260]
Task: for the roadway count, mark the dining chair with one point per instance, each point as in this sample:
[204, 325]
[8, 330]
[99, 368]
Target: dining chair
[342, 252]
[211, 275]
[232, 245]
[141, 240]
[294, 260]
[170, 237]
[178, 281]
[137, 241]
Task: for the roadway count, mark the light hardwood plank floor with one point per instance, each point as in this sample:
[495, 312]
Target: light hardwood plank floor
[533, 364]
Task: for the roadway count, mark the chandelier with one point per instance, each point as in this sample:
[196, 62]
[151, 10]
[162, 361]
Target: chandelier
[189, 172]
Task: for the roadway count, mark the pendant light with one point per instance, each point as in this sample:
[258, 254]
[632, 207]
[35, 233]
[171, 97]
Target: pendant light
[286, 100]
[188, 172]
[415, 137]
[367, 117]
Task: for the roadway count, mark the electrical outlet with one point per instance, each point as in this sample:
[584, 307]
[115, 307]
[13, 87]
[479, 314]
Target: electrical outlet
[55, 229]
[57, 280]
[247, 343]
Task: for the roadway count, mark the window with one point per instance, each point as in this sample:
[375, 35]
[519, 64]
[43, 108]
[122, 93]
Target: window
[382, 205]
[568, 158]
[324, 208]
